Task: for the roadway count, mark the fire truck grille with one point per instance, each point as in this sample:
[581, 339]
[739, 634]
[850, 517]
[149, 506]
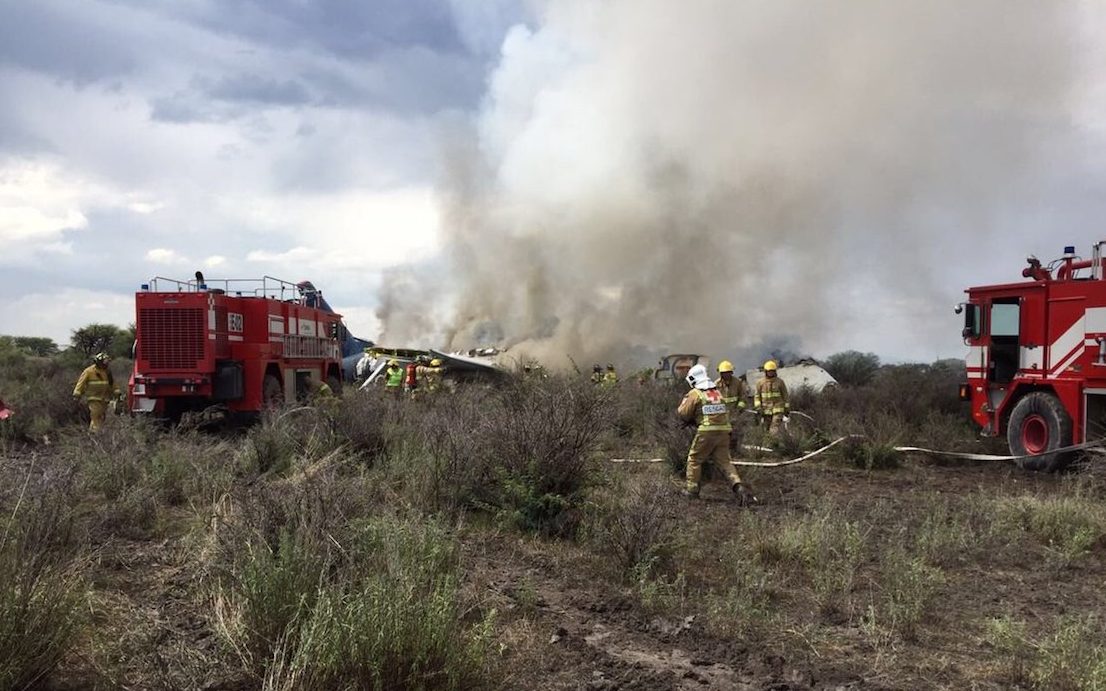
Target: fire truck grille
[171, 338]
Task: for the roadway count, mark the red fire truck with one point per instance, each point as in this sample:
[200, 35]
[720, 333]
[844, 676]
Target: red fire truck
[1037, 357]
[237, 346]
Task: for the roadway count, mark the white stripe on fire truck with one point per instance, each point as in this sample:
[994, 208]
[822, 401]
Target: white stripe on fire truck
[1072, 357]
[1062, 347]
[1096, 320]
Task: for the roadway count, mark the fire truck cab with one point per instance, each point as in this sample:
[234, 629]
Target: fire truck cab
[237, 346]
[1036, 365]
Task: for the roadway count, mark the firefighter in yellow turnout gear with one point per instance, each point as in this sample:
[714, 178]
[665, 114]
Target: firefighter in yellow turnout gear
[770, 400]
[321, 395]
[430, 376]
[704, 406]
[610, 377]
[97, 387]
[733, 395]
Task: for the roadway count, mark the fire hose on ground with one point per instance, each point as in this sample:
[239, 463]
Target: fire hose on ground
[966, 456]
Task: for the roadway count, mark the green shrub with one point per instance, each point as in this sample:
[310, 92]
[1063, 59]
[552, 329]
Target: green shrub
[1072, 657]
[744, 610]
[42, 592]
[380, 609]
[852, 368]
[1068, 526]
[823, 547]
[907, 587]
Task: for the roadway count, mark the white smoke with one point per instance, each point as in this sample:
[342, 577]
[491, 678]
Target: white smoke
[710, 175]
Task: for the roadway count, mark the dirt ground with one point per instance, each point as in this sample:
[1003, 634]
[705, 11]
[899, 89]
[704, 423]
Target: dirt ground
[563, 622]
[579, 632]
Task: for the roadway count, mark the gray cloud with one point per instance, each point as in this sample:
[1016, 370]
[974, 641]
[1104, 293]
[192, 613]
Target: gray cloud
[61, 40]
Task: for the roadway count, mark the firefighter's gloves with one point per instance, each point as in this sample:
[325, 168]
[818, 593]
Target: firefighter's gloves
[744, 495]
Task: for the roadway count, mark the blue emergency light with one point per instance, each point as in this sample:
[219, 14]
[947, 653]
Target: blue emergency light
[1069, 249]
[145, 287]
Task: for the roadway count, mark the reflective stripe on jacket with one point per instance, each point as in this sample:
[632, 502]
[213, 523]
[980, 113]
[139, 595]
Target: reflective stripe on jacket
[708, 409]
[733, 394]
[771, 396]
[96, 384]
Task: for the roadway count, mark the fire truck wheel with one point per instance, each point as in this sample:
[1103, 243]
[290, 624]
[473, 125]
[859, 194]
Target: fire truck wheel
[272, 395]
[1040, 425]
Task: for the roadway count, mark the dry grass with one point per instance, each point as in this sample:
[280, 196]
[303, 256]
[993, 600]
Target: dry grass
[320, 549]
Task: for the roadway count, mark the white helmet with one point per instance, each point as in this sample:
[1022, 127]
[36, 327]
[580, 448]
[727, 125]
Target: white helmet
[697, 378]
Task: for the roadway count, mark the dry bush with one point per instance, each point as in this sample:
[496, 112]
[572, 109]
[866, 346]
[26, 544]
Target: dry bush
[42, 591]
[40, 390]
[640, 411]
[364, 420]
[636, 529]
[138, 468]
[522, 452]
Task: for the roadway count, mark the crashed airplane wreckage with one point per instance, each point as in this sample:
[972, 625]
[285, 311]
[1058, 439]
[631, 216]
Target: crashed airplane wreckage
[480, 363]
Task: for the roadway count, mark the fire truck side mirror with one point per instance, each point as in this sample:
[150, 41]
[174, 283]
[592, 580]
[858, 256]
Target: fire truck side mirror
[971, 321]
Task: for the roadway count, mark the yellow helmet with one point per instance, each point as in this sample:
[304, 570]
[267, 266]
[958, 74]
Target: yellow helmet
[725, 366]
[393, 363]
[436, 362]
[770, 366]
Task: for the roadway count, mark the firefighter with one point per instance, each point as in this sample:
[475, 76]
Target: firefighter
[410, 376]
[596, 374]
[733, 395]
[393, 378]
[703, 405]
[430, 376]
[97, 386]
[610, 377]
[321, 393]
[770, 400]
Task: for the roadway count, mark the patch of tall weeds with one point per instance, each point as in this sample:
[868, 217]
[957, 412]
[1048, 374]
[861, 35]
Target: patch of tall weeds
[322, 598]
[42, 590]
[1072, 656]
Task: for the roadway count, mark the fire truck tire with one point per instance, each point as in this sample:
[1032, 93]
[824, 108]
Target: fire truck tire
[272, 394]
[1038, 425]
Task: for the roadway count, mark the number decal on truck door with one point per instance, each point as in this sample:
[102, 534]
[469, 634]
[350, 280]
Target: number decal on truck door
[235, 322]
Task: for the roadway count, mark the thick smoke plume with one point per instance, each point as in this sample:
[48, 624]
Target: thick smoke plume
[708, 176]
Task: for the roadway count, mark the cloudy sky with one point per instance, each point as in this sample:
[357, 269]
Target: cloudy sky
[242, 137]
[309, 139]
